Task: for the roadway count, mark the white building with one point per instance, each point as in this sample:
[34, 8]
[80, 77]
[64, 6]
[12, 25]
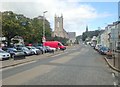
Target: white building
[110, 37]
[72, 37]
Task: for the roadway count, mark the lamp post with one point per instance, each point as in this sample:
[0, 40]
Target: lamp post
[0, 28]
[43, 38]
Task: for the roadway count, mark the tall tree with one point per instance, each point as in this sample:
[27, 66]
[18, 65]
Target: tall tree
[10, 26]
[19, 25]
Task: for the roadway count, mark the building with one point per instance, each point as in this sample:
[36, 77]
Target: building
[58, 27]
[109, 38]
[114, 36]
[72, 37]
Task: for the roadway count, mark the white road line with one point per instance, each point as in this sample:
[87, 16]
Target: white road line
[73, 49]
[27, 75]
[113, 75]
[59, 54]
[17, 66]
[115, 84]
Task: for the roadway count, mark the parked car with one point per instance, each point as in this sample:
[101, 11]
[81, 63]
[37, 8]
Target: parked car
[15, 53]
[4, 55]
[35, 50]
[46, 49]
[50, 49]
[25, 50]
[97, 47]
[41, 48]
[103, 50]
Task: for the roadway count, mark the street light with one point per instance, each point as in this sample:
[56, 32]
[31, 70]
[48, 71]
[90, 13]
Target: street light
[43, 38]
[0, 28]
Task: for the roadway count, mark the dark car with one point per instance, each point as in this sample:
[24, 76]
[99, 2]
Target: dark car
[104, 50]
[15, 53]
[25, 50]
[48, 49]
[41, 48]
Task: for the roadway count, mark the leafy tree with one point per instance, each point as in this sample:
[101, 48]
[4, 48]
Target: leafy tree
[19, 25]
[90, 34]
[10, 26]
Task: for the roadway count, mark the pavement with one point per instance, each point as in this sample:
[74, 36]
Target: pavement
[113, 63]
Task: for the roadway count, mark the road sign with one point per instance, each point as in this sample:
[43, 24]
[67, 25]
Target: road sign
[43, 39]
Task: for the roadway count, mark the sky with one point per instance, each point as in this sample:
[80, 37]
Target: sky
[77, 14]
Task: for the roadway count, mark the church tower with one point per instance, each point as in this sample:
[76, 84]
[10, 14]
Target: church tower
[58, 26]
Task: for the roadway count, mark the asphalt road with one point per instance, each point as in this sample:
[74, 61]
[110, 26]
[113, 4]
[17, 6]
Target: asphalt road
[79, 65]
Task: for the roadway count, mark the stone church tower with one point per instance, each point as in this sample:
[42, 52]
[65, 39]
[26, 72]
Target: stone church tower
[58, 27]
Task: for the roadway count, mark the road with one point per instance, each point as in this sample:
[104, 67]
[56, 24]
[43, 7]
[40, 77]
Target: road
[79, 65]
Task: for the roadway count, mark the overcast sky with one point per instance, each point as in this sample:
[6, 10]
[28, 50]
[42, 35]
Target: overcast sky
[77, 13]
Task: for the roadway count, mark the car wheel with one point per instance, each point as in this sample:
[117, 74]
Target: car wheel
[13, 56]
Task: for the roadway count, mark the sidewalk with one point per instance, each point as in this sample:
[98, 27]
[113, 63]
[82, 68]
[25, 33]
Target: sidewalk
[113, 62]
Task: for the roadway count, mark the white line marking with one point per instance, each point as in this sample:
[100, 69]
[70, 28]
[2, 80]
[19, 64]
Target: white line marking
[115, 84]
[16, 65]
[24, 76]
[59, 54]
[73, 49]
[113, 75]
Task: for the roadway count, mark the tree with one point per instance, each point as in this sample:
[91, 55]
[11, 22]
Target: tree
[10, 26]
[19, 25]
[84, 36]
[90, 34]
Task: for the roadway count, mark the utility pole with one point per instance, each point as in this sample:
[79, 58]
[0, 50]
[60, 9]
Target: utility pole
[44, 38]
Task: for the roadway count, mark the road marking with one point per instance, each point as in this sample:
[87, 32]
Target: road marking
[73, 49]
[61, 60]
[59, 54]
[17, 65]
[113, 74]
[65, 59]
[56, 55]
[27, 75]
[115, 84]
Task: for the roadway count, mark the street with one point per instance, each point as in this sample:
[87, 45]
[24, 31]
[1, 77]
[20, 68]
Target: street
[79, 65]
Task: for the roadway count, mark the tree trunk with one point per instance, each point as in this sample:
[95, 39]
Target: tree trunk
[9, 41]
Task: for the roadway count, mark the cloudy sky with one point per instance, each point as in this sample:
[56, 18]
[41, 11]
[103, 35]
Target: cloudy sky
[77, 13]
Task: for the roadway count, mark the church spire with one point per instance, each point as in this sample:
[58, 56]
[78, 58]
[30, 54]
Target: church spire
[86, 28]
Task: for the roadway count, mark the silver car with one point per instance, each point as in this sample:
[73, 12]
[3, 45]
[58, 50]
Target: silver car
[4, 55]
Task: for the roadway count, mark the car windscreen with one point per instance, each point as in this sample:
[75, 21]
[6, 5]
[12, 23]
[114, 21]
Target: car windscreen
[2, 51]
[24, 48]
[104, 48]
[12, 49]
